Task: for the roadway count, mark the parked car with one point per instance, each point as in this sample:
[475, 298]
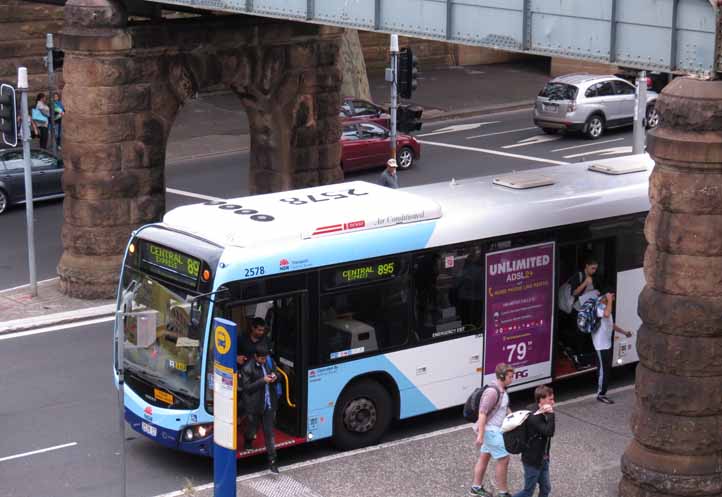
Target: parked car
[590, 104]
[357, 110]
[47, 174]
[366, 145]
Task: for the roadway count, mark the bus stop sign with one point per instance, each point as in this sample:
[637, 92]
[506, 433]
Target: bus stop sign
[225, 382]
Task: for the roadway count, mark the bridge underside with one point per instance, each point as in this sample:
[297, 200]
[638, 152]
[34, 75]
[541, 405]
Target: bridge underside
[663, 35]
[124, 84]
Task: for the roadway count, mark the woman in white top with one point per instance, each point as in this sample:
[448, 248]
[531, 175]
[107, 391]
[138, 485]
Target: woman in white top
[41, 115]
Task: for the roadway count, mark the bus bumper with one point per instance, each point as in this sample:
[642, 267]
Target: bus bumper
[169, 438]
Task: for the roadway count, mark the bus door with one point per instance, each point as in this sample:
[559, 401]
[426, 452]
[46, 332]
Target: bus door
[287, 327]
[285, 317]
[574, 352]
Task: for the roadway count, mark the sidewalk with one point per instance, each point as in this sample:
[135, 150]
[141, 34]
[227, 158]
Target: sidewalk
[585, 461]
[19, 311]
[216, 124]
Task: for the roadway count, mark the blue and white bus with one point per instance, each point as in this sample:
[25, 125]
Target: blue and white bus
[380, 304]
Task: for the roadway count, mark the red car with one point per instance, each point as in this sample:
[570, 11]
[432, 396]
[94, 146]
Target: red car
[357, 110]
[366, 145]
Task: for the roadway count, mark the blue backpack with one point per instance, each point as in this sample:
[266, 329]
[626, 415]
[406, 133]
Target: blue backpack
[587, 320]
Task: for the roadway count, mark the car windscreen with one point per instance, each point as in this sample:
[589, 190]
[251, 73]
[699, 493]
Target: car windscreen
[559, 91]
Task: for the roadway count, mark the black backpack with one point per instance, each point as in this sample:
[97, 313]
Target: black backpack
[471, 406]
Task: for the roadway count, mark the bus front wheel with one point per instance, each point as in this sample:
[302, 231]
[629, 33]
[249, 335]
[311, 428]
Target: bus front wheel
[362, 415]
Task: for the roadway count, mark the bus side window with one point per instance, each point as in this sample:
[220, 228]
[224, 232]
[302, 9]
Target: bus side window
[363, 319]
[449, 288]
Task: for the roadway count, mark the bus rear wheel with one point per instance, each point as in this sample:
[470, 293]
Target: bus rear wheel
[362, 415]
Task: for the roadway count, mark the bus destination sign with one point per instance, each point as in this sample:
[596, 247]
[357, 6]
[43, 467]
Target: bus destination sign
[170, 263]
[361, 273]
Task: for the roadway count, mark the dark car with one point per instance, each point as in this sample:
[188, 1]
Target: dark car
[47, 174]
[366, 144]
[408, 117]
[357, 110]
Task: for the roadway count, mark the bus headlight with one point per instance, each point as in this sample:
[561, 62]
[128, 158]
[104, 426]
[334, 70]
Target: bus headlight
[196, 432]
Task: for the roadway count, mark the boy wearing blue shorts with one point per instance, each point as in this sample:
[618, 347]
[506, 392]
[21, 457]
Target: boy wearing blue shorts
[493, 408]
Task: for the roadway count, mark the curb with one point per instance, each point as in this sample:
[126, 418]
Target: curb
[27, 324]
[478, 111]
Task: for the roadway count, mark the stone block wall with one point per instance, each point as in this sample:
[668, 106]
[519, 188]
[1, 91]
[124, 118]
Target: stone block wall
[126, 82]
[23, 26]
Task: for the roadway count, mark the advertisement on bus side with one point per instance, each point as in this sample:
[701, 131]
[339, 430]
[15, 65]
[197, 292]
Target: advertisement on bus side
[519, 307]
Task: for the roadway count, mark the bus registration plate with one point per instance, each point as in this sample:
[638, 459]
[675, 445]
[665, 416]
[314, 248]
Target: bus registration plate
[149, 429]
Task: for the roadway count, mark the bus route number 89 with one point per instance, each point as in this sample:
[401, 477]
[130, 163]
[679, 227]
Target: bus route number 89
[193, 267]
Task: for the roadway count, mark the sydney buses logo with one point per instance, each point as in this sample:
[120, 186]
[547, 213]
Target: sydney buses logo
[283, 265]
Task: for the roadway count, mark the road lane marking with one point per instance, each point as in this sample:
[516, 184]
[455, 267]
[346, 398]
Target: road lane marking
[603, 151]
[457, 127]
[494, 152]
[193, 195]
[39, 451]
[534, 140]
[501, 132]
[210, 155]
[374, 448]
[48, 329]
[593, 144]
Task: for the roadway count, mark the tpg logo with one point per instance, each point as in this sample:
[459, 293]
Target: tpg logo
[524, 373]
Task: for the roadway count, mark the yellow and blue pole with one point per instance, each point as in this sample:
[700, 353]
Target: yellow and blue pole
[225, 436]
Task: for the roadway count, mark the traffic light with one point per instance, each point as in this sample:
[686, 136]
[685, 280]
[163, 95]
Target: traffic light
[409, 118]
[407, 73]
[8, 120]
[58, 58]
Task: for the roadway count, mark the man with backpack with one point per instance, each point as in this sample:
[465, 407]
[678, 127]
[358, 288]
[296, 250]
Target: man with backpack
[535, 457]
[602, 332]
[493, 408]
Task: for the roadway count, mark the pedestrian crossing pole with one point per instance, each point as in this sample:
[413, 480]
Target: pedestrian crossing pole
[392, 74]
[49, 45]
[23, 87]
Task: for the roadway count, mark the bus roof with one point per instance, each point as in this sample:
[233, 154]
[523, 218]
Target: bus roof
[463, 210]
[302, 214]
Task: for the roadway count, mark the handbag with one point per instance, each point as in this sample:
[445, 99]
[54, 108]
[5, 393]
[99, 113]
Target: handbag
[38, 116]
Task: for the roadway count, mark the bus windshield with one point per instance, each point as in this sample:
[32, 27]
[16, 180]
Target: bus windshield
[162, 349]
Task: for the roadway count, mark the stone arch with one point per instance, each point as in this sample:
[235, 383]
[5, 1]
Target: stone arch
[125, 84]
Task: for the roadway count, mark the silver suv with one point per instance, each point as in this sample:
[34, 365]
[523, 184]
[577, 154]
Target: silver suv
[590, 104]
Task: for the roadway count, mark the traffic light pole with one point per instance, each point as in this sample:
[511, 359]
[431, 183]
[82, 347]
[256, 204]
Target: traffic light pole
[394, 91]
[23, 87]
[640, 113]
[51, 90]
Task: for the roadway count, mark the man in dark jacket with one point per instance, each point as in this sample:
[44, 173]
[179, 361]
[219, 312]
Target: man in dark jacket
[540, 429]
[260, 398]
